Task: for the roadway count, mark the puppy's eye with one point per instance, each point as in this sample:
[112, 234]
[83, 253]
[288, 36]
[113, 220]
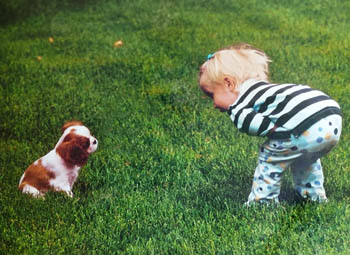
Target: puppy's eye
[94, 142]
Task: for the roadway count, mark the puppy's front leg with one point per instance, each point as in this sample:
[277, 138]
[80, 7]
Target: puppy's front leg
[69, 193]
[66, 189]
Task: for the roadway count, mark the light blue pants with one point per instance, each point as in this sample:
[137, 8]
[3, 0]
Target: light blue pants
[302, 154]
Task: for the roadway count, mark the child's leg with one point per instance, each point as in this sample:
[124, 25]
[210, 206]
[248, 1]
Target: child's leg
[315, 142]
[308, 180]
[274, 158]
[302, 153]
[266, 182]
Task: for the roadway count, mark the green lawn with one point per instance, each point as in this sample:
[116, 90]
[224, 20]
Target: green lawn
[171, 173]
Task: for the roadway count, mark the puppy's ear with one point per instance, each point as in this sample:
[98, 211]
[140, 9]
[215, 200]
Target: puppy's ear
[78, 155]
[74, 150]
[71, 123]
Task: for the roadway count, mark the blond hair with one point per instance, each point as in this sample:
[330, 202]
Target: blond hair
[241, 62]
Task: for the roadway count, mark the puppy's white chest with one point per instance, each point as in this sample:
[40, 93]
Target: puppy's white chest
[64, 181]
[64, 177]
[72, 176]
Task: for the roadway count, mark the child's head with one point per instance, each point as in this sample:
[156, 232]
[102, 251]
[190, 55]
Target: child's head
[233, 66]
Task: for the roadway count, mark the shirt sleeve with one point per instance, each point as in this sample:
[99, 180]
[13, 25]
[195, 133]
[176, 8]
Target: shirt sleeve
[251, 122]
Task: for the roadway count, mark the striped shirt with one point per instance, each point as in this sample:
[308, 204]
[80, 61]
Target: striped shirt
[279, 110]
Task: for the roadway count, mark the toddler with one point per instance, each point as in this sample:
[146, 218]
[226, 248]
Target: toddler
[302, 124]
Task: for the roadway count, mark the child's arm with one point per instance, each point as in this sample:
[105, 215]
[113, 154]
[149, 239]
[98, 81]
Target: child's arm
[252, 122]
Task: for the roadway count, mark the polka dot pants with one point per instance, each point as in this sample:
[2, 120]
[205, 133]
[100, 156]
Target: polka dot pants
[302, 155]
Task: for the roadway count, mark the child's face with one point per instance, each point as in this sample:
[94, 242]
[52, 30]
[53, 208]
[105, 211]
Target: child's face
[223, 95]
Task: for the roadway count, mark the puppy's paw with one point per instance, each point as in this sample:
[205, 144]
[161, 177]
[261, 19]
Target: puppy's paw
[32, 191]
[69, 193]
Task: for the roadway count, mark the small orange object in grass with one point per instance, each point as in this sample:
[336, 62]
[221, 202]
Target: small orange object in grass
[39, 58]
[51, 40]
[118, 44]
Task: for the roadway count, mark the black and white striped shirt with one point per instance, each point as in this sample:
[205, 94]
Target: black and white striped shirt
[279, 110]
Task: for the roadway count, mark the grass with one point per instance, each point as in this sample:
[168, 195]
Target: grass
[171, 174]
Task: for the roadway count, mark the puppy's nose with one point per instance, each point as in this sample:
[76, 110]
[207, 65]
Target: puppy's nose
[94, 142]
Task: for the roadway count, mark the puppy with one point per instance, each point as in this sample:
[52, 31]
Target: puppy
[58, 170]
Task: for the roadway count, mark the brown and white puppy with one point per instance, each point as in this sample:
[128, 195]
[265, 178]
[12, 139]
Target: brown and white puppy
[58, 170]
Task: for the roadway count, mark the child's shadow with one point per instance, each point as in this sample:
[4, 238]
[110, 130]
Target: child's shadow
[289, 196]
[237, 190]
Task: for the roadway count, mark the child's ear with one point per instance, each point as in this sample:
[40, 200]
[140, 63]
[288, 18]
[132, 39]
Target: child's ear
[230, 83]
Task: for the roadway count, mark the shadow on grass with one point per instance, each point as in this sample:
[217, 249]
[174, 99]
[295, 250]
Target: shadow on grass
[221, 194]
[15, 11]
[290, 197]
